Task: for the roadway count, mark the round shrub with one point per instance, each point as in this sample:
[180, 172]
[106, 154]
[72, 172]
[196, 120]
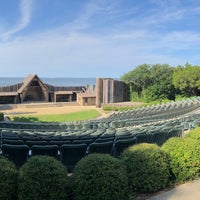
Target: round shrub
[184, 158]
[194, 134]
[42, 178]
[8, 179]
[100, 177]
[147, 166]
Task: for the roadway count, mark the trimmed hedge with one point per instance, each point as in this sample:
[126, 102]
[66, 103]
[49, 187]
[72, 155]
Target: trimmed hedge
[8, 180]
[42, 178]
[100, 177]
[147, 167]
[184, 158]
[194, 134]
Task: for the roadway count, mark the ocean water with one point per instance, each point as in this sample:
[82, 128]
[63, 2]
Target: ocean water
[52, 81]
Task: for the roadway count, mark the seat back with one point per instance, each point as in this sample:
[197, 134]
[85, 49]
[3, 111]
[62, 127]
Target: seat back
[15, 142]
[18, 154]
[59, 143]
[143, 138]
[48, 150]
[30, 143]
[103, 147]
[121, 145]
[159, 138]
[81, 141]
[70, 154]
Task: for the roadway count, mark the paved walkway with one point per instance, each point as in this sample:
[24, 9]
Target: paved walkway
[187, 191]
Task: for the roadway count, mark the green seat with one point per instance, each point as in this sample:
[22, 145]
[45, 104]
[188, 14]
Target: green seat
[159, 137]
[18, 154]
[48, 150]
[59, 143]
[102, 147]
[121, 145]
[10, 141]
[30, 143]
[70, 154]
[143, 138]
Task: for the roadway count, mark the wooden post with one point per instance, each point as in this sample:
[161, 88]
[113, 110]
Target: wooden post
[99, 90]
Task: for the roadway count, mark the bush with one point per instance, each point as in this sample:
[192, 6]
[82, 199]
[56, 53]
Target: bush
[194, 134]
[8, 180]
[43, 178]
[100, 177]
[147, 167]
[184, 158]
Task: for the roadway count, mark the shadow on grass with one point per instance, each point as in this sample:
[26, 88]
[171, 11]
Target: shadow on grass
[25, 119]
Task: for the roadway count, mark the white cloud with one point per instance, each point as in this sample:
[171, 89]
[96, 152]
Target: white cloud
[26, 11]
[71, 51]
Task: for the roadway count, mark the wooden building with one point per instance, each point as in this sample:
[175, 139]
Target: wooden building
[33, 89]
[110, 91]
[85, 99]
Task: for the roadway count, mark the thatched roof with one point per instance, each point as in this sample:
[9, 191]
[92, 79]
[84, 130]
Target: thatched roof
[28, 80]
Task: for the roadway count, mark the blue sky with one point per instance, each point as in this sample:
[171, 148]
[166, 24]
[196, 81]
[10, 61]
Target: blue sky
[96, 38]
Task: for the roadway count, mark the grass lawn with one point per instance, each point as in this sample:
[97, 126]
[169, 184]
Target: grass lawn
[75, 116]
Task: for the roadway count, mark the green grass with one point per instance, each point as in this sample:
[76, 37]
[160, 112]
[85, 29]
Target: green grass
[75, 116]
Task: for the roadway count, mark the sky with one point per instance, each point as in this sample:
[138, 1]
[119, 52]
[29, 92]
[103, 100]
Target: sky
[96, 38]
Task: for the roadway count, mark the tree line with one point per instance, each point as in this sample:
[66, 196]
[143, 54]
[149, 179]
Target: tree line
[162, 81]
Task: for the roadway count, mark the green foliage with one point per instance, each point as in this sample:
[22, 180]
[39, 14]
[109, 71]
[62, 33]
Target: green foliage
[1, 116]
[138, 78]
[43, 178]
[186, 79]
[100, 177]
[151, 82]
[184, 158]
[110, 108]
[118, 108]
[161, 82]
[194, 134]
[8, 180]
[147, 167]
[75, 116]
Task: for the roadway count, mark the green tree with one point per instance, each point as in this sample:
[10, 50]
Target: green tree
[151, 82]
[138, 79]
[187, 80]
[161, 86]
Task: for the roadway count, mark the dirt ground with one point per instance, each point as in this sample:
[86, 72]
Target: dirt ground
[39, 109]
[53, 108]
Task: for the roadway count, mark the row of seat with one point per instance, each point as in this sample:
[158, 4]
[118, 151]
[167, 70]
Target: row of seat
[70, 153]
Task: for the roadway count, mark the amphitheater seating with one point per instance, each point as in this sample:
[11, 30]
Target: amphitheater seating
[48, 150]
[59, 142]
[122, 144]
[143, 138]
[81, 141]
[30, 143]
[159, 137]
[12, 141]
[102, 147]
[18, 154]
[70, 154]
[110, 135]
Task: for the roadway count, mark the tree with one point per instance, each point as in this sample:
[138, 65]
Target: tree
[187, 79]
[161, 83]
[138, 79]
[151, 82]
